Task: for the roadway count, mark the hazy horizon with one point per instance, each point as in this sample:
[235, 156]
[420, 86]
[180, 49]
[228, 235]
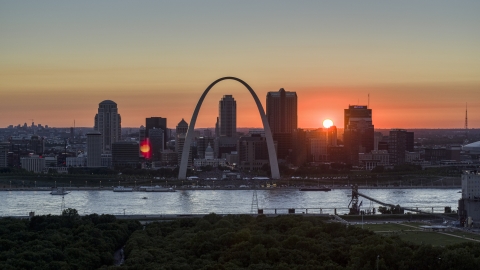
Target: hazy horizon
[417, 61]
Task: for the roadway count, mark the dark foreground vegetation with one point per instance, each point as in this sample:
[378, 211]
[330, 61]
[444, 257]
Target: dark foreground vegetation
[215, 242]
[285, 242]
[62, 242]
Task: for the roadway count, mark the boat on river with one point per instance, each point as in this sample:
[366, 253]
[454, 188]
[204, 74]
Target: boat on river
[59, 191]
[122, 189]
[159, 189]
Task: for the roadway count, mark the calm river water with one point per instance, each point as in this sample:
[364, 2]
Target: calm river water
[19, 203]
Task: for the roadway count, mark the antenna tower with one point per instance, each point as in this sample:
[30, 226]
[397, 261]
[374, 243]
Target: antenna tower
[368, 103]
[254, 209]
[466, 117]
[466, 125]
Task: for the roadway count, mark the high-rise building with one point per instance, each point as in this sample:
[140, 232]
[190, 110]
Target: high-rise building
[125, 154]
[227, 111]
[282, 119]
[182, 127]
[108, 123]
[94, 149]
[156, 139]
[358, 132]
[377, 138]
[399, 142]
[4, 147]
[157, 122]
[252, 152]
[319, 141]
[181, 132]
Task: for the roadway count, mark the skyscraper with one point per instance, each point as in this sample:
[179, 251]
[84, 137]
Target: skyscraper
[358, 132]
[181, 132]
[227, 112]
[282, 118]
[94, 149]
[108, 123]
[157, 122]
[399, 141]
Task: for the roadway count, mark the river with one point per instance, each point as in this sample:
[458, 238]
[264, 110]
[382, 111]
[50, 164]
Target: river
[20, 203]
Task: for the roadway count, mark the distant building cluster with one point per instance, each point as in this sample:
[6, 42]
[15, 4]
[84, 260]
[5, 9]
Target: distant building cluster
[39, 148]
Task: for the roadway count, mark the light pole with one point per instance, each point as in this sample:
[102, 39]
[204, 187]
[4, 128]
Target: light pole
[70, 183]
[35, 184]
[10, 184]
[100, 184]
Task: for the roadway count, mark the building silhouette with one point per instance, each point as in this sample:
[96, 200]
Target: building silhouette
[358, 133]
[108, 123]
[252, 152]
[94, 149]
[157, 123]
[181, 134]
[157, 142]
[282, 118]
[227, 113]
[399, 142]
[4, 147]
[125, 154]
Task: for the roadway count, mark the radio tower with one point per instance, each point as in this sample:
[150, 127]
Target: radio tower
[466, 123]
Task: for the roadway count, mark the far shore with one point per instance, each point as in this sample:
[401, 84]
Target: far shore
[136, 189]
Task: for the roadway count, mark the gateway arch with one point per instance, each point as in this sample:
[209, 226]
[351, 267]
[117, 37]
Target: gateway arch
[272, 156]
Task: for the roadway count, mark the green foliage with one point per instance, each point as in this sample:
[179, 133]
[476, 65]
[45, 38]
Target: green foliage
[62, 242]
[284, 242]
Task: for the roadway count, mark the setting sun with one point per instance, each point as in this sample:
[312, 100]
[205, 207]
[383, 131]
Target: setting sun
[327, 123]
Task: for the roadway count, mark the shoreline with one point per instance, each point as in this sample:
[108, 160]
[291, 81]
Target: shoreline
[225, 188]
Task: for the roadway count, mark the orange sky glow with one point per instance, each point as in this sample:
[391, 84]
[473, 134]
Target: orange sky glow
[419, 64]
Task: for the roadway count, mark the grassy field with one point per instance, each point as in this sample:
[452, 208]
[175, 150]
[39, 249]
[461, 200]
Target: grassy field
[416, 235]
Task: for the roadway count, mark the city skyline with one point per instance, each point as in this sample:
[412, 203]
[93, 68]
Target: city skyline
[418, 62]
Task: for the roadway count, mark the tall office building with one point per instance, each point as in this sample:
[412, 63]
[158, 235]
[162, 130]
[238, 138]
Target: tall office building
[4, 147]
[399, 142]
[358, 132]
[94, 149]
[157, 142]
[125, 154]
[282, 119]
[181, 132]
[252, 152]
[157, 122]
[108, 123]
[227, 112]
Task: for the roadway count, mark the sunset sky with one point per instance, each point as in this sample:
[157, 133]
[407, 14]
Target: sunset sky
[418, 60]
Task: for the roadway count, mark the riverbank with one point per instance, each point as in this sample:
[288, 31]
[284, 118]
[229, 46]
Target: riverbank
[136, 189]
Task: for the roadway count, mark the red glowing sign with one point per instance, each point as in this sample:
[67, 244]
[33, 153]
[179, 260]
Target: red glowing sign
[145, 149]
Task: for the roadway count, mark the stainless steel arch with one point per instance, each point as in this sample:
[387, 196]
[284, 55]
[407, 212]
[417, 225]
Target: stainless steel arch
[272, 156]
